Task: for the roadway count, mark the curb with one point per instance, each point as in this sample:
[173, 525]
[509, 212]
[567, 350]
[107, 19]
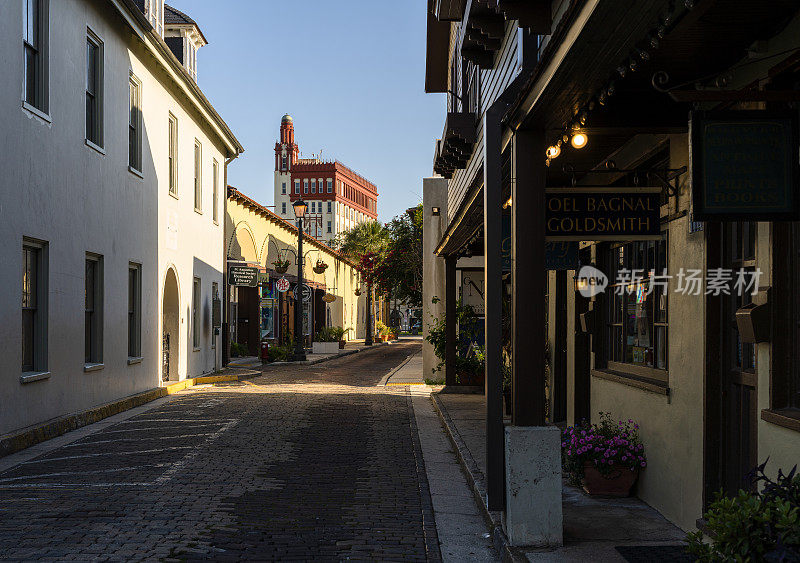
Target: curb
[476, 483]
[385, 379]
[320, 360]
[31, 436]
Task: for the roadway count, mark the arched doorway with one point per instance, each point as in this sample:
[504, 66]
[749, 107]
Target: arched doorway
[170, 338]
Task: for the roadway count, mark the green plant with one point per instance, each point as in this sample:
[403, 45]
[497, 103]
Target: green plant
[382, 329]
[330, 334]
[281, 264]
[469, 354]
[278, 353]
[238, 350]
[753, 526]
[429, 381]
[606, 445]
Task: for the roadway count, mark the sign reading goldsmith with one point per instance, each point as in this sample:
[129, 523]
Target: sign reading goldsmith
[744, 166]
[602, 214]
[243, 276]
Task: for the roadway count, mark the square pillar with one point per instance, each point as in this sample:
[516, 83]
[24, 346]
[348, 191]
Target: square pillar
[533, 515]
[528, 277]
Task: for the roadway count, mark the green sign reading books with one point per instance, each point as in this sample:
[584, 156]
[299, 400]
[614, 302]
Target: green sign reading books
[744, 166]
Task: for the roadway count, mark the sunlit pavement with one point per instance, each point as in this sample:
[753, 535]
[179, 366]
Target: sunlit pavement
[307, 462]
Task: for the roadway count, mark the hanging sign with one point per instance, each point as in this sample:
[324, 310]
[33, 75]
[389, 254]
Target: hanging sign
[575, 214]
[306, 293]
[282, 285]
[744, 166]
[561, 255]
[243, 276]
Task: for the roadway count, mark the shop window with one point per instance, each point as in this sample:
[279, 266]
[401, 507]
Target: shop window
[637, 305]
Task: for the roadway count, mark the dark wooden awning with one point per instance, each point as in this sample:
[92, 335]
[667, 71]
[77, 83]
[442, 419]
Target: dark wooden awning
[454, 149]
[437, 55]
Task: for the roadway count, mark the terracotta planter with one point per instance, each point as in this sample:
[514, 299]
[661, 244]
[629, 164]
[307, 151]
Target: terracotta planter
[618, 483]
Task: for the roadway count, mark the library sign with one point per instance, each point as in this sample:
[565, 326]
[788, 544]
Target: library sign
[576, 214]
[243, 276]
[744, 166]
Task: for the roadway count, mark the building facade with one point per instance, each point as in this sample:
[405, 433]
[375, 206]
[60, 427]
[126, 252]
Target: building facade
[536, 112]
[257, 237]
[337, 197]
[114, 219]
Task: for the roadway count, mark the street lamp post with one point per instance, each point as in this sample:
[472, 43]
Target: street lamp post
[300, 207]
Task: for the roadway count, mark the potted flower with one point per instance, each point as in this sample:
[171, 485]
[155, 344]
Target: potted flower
[357, 291]
[605, 457]
[320, 267]
[281, 265]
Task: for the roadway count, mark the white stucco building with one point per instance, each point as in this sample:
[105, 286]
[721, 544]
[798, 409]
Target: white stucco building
[112, 205]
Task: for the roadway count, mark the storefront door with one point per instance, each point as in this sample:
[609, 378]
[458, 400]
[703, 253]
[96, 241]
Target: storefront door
[731, 433]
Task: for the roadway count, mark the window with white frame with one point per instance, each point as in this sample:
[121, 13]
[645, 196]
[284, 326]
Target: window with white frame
[93, 310]
[305, 186]
[172, 155]
[283, 188]
[135, 124]
[329, 206]
[297, 186]
[283, 163]
[34, 307]
[330, 185]
[198, 176]
[313, 185]
[134, 310]
[283, 207]
[35, 46]
[154, 11]
[215, 191]
[191, 58]
[94, 89]
[196, 313]
[330, 227]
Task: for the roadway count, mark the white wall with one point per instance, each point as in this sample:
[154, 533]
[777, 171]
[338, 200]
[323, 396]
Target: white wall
[57, 189]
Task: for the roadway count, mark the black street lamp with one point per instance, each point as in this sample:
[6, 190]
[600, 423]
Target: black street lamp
[300, 207]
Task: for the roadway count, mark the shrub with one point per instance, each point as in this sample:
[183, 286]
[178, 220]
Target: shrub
[605, 444]
[278, 353]
[753, 526]
[238, 350]
[331, 334]
[382, 329]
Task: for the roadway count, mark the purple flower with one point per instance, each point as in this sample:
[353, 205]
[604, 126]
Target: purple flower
[643, 464]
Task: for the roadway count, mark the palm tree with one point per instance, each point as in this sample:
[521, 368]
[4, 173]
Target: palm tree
[365, 243]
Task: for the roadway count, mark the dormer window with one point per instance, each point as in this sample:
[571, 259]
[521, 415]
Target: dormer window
[183, 36]
[154, 12]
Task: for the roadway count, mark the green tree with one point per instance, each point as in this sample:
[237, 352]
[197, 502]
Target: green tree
[366, 244]
[399, 273]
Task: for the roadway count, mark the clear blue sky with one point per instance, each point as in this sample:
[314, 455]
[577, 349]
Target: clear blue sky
[350, 72]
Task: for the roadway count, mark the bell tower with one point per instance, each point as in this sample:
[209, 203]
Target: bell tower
[286, 155]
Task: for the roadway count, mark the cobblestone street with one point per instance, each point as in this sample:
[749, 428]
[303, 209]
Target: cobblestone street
[308, 462]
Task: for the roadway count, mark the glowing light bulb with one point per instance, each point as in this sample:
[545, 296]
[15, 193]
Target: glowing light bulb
[579, 140]
[553, 151]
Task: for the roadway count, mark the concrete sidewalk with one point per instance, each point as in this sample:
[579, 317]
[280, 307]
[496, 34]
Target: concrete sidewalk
[407, 373]
[593, 527]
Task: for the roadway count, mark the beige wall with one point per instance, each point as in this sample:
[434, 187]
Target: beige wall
[252, 237]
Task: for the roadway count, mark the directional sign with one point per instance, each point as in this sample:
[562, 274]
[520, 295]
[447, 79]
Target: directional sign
[243, 276]
[282, 285]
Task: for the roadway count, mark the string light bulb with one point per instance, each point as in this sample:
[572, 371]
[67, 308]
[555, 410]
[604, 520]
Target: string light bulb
[579, 139]
[553, 151]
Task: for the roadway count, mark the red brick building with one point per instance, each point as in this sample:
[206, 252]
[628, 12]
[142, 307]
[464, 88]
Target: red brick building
[338, 198]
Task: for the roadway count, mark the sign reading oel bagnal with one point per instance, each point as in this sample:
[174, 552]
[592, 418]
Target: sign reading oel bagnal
[243, 276]
[577, 214]
[744, 166]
